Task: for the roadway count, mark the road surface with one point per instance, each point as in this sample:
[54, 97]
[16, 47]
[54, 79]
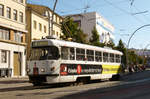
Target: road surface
[133, 86]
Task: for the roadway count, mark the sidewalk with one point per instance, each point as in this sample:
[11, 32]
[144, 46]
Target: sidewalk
[14, 82]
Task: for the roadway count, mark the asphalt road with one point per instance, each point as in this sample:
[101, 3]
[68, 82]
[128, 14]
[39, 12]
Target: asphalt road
[137, 89]
[133, 86]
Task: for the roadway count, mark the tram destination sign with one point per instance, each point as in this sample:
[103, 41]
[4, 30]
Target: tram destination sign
[40, 43]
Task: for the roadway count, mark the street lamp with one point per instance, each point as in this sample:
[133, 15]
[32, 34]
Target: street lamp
[130, 40]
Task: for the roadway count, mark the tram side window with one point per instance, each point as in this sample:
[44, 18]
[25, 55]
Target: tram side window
[118, 58]
[112, 57]
[90, 55]
[98, 56]
[72, 54]
[80, 54]
[105, 57]
[64, 53]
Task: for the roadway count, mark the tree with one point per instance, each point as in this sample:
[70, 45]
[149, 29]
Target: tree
[95, 38]
[122, 48]
[111, 44]
[70, 29]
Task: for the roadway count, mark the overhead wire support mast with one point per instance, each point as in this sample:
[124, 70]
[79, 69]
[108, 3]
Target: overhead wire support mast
[51, 30]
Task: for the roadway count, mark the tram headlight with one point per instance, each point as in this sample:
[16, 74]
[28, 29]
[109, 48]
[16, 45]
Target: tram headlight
[42, 70]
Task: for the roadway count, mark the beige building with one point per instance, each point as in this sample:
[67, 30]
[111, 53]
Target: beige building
[38, 18]
[12, 38]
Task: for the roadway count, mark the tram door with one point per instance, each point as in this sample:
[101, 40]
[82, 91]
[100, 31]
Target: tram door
[17, 64]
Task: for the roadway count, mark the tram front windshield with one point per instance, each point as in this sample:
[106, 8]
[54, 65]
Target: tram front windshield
[44, 53]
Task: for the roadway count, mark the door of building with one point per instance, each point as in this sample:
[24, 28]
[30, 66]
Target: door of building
[17, 64]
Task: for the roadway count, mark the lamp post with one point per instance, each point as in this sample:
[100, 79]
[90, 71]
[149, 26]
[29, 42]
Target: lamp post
[130, 40]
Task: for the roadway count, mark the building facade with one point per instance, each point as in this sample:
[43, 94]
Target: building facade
[12, 38]
[39, 24]
[87, 22]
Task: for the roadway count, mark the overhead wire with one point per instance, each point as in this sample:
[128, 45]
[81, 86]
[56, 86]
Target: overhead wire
[91, 6]
[145, 18]
[124, 11]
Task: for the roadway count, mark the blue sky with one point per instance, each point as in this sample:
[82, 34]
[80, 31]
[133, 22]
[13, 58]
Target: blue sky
[120, 13]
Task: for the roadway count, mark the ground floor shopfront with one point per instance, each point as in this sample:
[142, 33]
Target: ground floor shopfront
[12, 60]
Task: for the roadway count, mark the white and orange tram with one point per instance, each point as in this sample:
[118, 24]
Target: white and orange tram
[56, 61]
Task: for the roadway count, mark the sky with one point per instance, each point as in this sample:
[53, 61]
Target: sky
[125, 15]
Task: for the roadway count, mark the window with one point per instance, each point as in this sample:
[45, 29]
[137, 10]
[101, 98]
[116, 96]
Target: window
[98, 56]
[65, 53]
[21, 1]
[53, 32]
[44, 29]
[40, 26]
[112, 58]
[4, 56]
[118, 58]
[4, 34]
[8, 12]
[18, 36]
[55, 18]
[105, 57]
[1, 10]
[34, 24]
[60, 20]
[57, 34]
[15, 15]
[1, 34]
[80, 54]
[21, 17]
[45, 53]
[72, 54]
[90, 55]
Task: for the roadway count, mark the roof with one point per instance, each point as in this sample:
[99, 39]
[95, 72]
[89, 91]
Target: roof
[78, 45]
[41, 9]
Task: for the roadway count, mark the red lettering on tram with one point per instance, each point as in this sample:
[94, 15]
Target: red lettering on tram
[79, 69]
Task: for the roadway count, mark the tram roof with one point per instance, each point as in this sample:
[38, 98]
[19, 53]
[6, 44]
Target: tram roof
[78, 45]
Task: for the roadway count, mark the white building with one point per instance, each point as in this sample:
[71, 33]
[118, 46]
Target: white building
[87, 21]
[12, 38]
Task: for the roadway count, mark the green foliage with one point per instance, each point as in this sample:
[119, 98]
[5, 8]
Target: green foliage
[111, 44]
[70, 29]
[133, 58]
[95, 36]
[95, 39]
[122, 48]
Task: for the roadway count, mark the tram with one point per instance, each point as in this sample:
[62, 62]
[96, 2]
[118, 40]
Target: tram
[56, 61]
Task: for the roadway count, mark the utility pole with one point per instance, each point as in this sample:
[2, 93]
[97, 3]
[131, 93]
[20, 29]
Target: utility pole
[53, 17]
[50, 25]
